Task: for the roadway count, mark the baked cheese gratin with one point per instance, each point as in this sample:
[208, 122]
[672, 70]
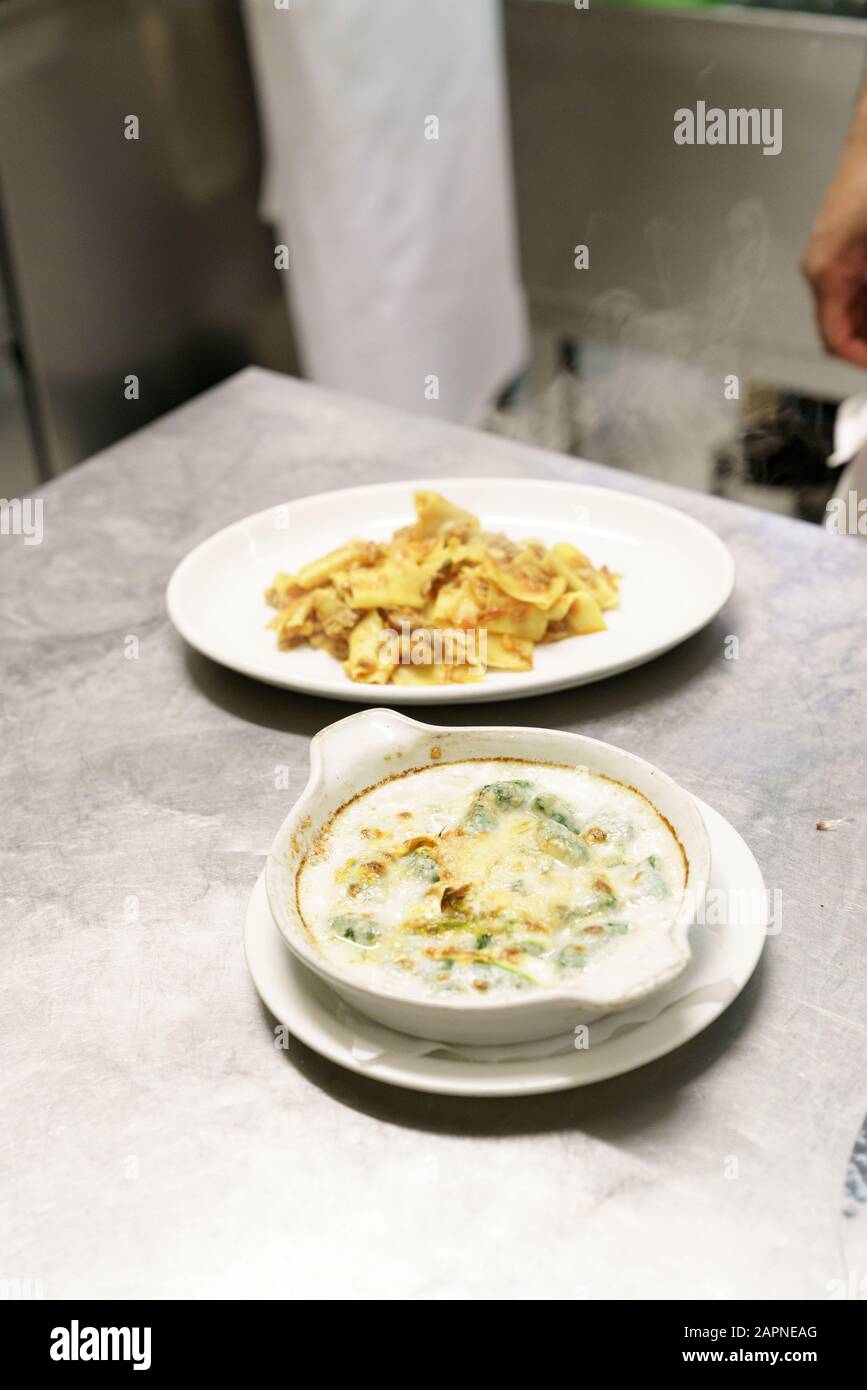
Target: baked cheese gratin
[490, 875]
[441, 601]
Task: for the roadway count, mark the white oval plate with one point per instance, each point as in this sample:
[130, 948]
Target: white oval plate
[311, 1011]
[676, 577]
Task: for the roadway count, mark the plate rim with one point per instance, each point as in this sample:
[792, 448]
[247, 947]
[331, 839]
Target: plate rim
[354, 693]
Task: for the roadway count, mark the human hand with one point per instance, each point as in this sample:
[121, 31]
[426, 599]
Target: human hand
[835, 260]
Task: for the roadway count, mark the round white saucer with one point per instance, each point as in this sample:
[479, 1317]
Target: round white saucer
[309, 1009]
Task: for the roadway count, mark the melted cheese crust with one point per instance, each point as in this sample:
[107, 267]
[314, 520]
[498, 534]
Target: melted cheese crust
[493, 875]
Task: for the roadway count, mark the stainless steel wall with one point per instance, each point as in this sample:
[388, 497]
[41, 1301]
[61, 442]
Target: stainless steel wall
[693, 250]
[127, 256]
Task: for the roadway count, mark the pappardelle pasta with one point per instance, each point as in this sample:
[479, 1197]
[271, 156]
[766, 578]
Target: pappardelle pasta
[440, 602]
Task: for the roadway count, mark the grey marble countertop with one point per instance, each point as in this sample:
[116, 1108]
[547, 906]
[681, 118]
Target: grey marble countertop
[156, 1143]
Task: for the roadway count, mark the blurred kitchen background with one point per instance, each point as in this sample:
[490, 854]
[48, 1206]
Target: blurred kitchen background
[155, 257]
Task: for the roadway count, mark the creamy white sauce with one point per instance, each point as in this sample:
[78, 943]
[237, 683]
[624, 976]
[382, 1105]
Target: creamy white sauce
[526, 876]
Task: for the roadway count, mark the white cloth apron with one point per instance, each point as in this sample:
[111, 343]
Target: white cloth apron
[403, 271]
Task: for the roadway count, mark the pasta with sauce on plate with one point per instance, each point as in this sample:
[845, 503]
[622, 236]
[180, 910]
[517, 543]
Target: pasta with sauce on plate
[441, 602]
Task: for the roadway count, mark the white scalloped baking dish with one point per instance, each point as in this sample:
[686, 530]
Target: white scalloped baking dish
[355, 754]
